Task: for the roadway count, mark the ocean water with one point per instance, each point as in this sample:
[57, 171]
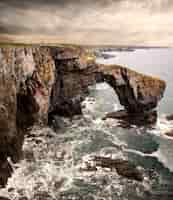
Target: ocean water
[54, 163]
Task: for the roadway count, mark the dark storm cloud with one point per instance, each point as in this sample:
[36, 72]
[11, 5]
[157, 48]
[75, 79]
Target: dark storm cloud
[11, 29]
[90, 21]
[153, 4]
[62, 3]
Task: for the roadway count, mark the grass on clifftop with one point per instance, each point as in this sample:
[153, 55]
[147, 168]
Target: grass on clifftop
[20, 44]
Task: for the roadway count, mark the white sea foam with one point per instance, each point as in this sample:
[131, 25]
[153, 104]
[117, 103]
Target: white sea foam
[165, 155]
[102, 86]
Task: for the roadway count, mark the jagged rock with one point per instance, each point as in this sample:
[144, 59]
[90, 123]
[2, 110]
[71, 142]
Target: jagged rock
[170, 133]
[123, 167]
[139, 119]
[5, 171]
[67, 108]
[56, 122]
[138, 93]
[4, 198]
[169, 117]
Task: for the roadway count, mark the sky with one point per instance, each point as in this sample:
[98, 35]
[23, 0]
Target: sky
[108, 22]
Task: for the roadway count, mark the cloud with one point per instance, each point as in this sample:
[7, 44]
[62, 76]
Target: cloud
[133, 22]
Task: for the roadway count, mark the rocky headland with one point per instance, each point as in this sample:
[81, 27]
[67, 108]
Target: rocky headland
[38, 83]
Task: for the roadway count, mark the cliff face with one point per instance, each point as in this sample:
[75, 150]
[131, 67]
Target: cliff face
[34, 82]
[22, 99]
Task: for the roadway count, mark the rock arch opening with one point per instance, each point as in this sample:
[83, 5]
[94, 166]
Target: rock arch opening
[100, 100]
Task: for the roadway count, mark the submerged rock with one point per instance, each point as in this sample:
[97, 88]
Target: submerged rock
[4, 198]
[169, 117]
[169, 134]
[56, 122]
[137, 92]
[5, 171]
[139, 119]
[123, 167]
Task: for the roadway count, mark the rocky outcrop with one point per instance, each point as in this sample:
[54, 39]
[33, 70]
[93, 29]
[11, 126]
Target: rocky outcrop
[123, 167]
[128, 119]
[138, 93]
[169, 133]
[169, 117]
